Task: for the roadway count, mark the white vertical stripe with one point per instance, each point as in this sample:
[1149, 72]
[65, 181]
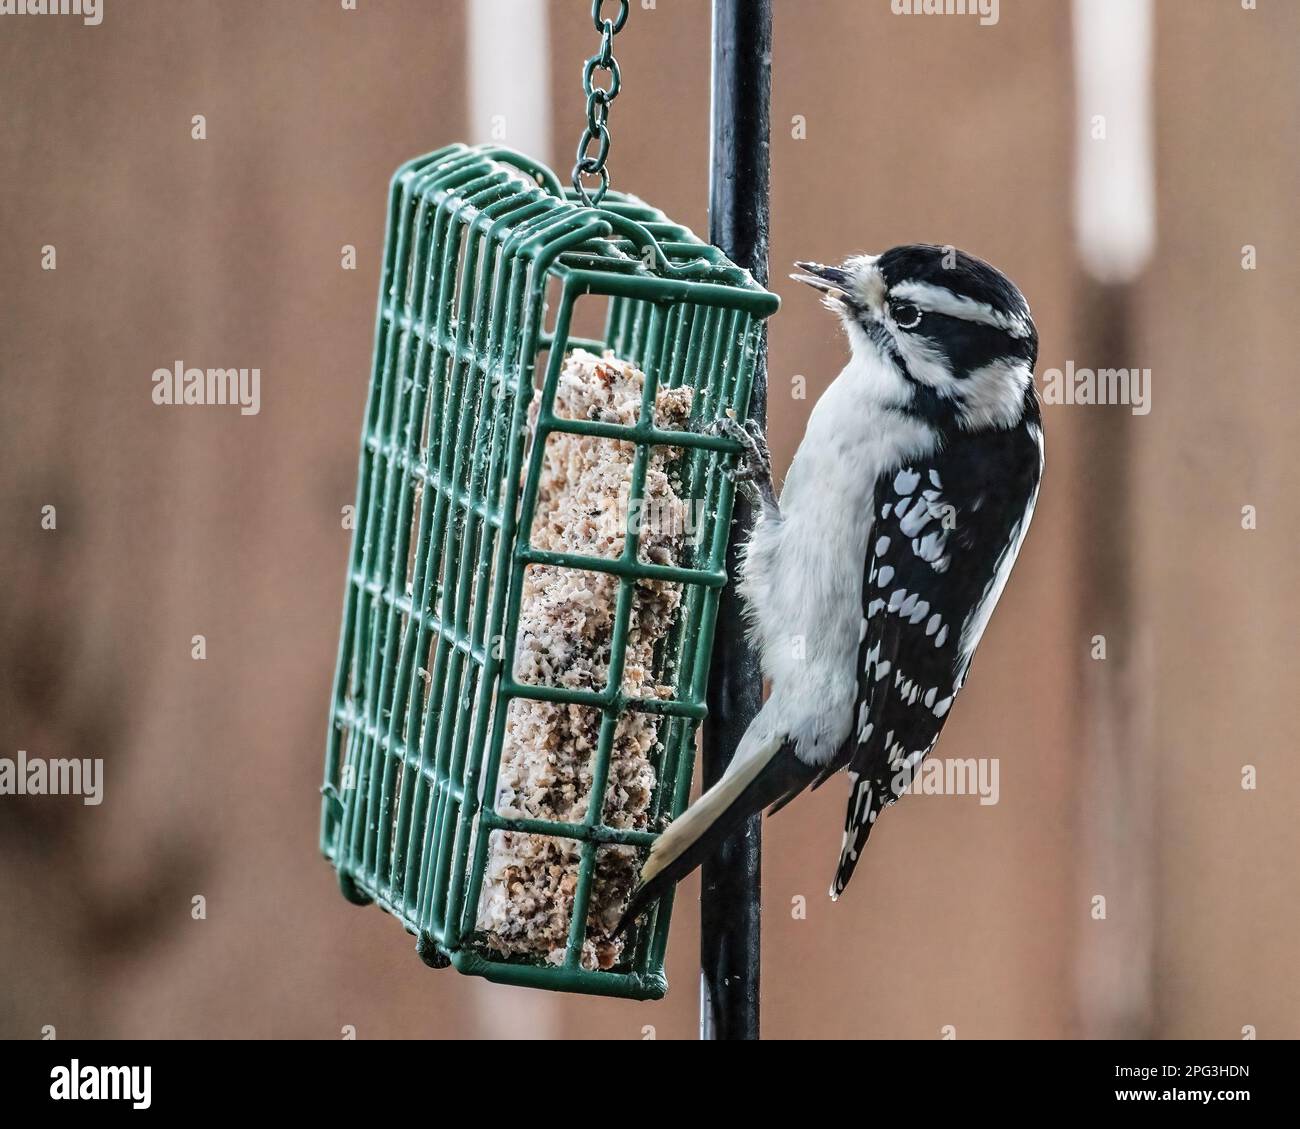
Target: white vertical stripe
[510, 75]
[1114, 200]
[513, 1013]
[510, 93]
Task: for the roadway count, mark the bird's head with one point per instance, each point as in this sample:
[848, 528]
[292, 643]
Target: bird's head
[947, 336]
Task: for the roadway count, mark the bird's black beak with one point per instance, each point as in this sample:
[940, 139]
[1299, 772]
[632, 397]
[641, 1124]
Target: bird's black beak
[829, 280]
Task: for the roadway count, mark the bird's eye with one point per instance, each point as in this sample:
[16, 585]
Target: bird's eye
[905, 314]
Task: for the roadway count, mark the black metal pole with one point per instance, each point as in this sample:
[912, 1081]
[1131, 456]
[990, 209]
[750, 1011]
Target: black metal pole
[738, 217]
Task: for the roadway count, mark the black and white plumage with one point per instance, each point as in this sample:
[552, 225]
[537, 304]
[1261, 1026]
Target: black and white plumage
[869, 586]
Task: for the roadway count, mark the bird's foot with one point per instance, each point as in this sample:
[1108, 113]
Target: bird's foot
[752, 470]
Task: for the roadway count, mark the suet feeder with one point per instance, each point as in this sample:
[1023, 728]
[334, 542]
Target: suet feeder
[489, 268]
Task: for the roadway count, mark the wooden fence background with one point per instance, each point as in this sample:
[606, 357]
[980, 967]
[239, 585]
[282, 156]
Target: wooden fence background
[174, 523]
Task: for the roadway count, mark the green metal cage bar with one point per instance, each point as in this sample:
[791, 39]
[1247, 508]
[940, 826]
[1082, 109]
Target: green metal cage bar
[482, 245]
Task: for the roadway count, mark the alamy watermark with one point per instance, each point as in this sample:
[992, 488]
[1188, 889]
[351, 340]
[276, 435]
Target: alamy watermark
[664, 517]
[1072, 385]
[951, 776]
[987, 10]
[76, 1082]
[90, 11]
[181, 385]
[36, 776]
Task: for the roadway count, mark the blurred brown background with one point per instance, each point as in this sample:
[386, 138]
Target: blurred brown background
[1120, 779]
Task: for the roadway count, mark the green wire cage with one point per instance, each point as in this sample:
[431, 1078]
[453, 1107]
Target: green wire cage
[487, 259]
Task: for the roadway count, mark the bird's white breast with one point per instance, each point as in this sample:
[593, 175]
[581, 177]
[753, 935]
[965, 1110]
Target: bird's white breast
[803, 572]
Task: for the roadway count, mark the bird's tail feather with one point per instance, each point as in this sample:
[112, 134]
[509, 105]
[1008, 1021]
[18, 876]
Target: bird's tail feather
[767, 773]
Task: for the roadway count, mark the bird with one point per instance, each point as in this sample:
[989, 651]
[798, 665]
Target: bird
[868, 583]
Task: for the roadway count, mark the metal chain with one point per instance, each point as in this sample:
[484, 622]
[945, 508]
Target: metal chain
[598, 103]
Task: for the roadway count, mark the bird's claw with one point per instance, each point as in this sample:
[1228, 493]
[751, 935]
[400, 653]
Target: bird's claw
[752, 469]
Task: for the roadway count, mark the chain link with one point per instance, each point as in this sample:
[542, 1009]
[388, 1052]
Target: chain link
[599, 99]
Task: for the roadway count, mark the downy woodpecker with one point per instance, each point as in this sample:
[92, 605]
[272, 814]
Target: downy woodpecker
[869, 584]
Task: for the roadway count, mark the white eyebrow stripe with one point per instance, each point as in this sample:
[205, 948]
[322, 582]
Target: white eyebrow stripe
[941, 300]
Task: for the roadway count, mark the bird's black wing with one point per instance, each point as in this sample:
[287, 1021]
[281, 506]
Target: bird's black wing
[945, 534]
